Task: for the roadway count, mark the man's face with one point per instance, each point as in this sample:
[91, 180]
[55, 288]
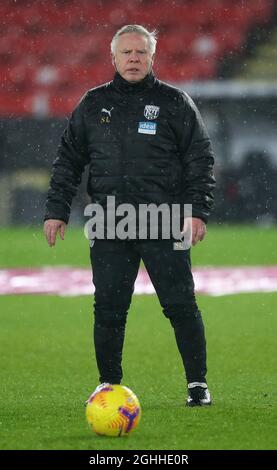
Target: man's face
[133, 59]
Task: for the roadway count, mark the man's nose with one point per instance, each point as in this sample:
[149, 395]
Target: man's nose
[134, 57]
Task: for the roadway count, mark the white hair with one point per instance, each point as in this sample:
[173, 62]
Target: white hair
[138, 29]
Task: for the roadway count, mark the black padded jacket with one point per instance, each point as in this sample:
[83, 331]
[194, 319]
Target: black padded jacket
[144, 143]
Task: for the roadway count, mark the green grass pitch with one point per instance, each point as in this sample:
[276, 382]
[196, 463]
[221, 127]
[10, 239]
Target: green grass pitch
[48, 365]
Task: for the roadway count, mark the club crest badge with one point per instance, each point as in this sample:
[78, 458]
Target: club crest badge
[151, 111]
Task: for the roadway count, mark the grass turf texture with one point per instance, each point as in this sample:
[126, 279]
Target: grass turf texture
[48, 366]
[48, 370]
[229, 246]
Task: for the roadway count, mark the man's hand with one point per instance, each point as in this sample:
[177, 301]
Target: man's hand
[51, 228]
[197, 228]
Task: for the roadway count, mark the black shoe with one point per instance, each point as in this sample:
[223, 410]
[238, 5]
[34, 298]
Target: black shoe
[198, 394]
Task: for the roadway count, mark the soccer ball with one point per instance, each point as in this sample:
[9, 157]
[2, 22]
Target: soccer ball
[113, 410]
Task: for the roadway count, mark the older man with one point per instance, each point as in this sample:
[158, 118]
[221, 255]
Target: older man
[145, 143]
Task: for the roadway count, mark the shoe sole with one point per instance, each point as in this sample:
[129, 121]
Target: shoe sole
[192, 405]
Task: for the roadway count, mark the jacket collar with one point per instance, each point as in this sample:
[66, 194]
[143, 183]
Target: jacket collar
[126, 87]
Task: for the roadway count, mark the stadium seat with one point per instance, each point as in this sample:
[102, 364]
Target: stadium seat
[50, 51]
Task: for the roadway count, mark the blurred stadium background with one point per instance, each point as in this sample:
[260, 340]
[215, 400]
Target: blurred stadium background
[224, 54]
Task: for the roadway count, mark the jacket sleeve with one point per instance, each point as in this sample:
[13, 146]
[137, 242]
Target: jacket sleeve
[72, 157]
[197, 159]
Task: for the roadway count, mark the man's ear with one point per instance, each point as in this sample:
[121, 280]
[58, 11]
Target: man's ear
[113, 61]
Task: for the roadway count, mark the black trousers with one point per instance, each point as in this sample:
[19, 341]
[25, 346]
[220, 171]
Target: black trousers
[115, 267]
